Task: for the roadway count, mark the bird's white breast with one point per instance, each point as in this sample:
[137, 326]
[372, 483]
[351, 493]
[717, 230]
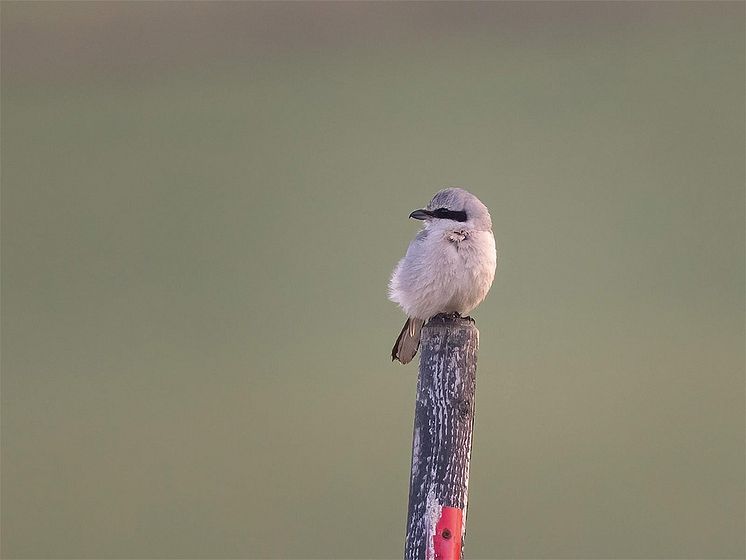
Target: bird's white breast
[444, 272]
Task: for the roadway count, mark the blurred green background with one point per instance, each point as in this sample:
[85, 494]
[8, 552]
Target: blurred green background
[201, 206]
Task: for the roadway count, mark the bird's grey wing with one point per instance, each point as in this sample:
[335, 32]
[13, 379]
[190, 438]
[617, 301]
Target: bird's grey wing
[416, 243]
[411, 265]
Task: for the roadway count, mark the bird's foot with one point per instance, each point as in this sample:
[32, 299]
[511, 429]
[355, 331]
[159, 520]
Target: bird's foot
[453, 315]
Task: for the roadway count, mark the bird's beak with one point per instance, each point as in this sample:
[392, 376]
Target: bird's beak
[421, 214]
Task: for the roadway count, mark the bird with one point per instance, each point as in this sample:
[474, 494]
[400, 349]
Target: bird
[448, 268]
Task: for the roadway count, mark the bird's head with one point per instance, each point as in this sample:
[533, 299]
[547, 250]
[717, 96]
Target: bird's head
[455, 208]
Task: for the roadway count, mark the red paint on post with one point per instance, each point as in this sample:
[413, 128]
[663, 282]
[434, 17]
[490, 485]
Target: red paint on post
[447, 538]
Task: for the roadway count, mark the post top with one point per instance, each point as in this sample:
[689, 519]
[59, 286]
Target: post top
[450, 320]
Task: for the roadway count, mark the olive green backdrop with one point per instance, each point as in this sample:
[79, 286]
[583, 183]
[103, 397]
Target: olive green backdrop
[201, 206]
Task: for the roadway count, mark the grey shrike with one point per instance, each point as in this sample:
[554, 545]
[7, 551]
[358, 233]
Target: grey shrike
[448, 268]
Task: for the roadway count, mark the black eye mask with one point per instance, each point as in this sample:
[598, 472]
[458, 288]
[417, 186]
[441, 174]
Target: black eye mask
[444, 213]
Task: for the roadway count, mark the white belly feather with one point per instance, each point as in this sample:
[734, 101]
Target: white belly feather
[444, 272]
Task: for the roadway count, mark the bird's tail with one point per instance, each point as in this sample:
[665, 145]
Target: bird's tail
[408, 342]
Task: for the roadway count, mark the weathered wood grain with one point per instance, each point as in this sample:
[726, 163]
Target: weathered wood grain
[443, 424]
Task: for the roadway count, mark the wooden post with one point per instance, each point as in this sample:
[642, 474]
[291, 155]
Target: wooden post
[441, 444]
